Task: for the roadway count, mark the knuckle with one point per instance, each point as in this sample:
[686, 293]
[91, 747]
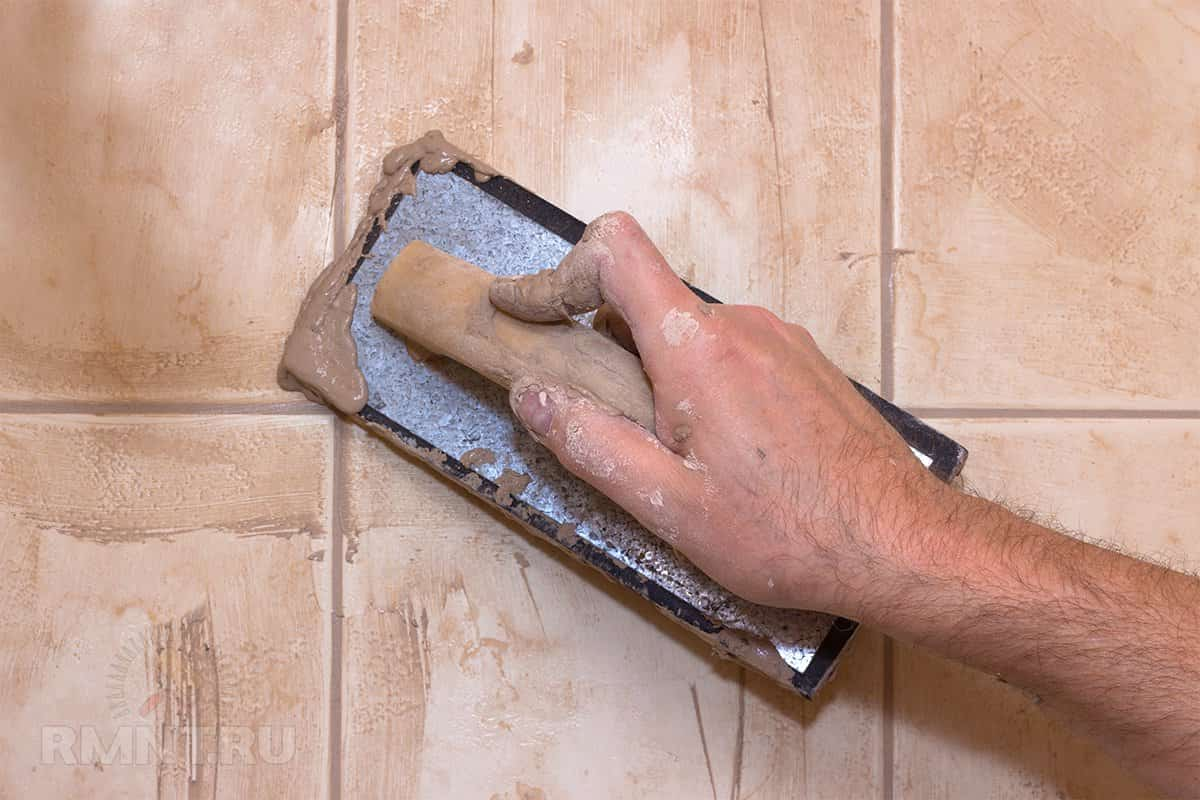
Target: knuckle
[767, 318]
[738, 353]
[610, 224]
[801, 334]
[760, 313]
[752, 317]
[616, 217]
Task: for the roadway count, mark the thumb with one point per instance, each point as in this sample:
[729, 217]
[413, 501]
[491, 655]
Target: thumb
[612, 453]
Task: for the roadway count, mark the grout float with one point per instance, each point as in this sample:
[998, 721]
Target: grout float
[320, 357]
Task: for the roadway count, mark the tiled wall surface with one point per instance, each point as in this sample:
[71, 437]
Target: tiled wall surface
[988, 211]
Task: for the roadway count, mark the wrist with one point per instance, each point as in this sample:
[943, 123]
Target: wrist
[956, 560]
[929, 542]
[892, 524]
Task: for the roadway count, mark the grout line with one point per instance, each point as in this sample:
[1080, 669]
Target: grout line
[337, 614]
[887, 200]
[1051, 413]
[887, 360]
[784, 303]
[304, 408]
[341, 108]
[492, 88]
[151, 408]
[341, 105]
[888, 744]
[739, 747]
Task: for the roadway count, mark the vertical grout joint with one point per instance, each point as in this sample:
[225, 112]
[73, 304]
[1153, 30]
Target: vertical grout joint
[887, 361]
[887, 198]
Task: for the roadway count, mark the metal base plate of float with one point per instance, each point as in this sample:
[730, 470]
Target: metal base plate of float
[438, 411]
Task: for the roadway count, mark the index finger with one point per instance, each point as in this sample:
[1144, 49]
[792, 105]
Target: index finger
[614, 262]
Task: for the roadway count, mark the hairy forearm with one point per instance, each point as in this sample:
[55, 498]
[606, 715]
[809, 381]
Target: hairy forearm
[1111, 642]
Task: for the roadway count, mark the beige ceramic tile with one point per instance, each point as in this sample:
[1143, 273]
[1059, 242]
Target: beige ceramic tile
[165, 198]
[1048, 164]
[668, 113]
[163, 595]
[414, 66]
[828, 748]
[463, 637]
[1129, 482]
[661, 114]
[960, 733]
[824, 62]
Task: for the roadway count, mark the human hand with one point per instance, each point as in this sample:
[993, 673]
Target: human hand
[774, 476]
[768, 471]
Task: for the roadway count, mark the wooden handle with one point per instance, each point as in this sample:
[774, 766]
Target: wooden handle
[441, 303]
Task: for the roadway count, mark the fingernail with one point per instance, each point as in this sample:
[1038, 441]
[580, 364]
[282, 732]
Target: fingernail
[535, 409]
